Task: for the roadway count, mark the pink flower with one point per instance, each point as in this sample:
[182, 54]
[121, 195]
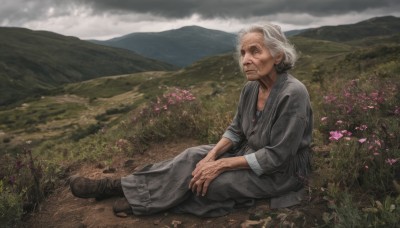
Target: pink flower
[362, 127]
[335, 135]
[362, 140]
[339, 122]
[329, 98]
[345, 132]
[391, 161]
[397, 110]
[323, 119]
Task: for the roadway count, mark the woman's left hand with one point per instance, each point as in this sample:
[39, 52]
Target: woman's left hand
[203, 175]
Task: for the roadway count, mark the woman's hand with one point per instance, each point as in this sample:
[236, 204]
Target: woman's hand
[209, 158]
[207, 171]
[204, 174]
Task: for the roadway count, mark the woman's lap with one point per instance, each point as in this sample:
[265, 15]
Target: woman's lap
[164, 185]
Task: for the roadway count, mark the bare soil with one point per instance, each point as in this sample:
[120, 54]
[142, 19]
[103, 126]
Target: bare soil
[62, 209]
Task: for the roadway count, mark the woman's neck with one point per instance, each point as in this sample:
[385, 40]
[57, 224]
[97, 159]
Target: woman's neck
[267, 82]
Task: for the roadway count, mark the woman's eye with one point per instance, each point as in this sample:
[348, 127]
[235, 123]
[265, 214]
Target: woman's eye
[255, 50]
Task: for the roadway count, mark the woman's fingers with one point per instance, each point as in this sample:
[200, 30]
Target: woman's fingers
[199, 184]
[196, 185]
[205, 187]
[192, 182]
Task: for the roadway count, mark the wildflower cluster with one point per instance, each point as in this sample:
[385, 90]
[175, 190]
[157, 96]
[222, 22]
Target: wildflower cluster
[174, 114]
[177, 97]
[361, 122]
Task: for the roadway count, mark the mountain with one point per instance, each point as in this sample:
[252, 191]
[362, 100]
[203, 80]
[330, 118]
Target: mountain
[378, 26]
[179, 47]
[32, 62]
[294, 32]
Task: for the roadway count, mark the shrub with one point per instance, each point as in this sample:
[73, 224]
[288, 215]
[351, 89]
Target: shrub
[347, 212]
[24, 182]
[82, 133]
[174, 115]
[362, 126]
[10, 206]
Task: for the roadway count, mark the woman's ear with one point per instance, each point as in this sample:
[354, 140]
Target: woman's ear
[278, 58]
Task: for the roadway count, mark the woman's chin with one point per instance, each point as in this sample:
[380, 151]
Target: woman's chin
[252, 77]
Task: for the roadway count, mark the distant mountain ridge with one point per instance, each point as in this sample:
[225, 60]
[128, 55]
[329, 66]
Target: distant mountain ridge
[180, 47]
[35, 61]
[378, 26]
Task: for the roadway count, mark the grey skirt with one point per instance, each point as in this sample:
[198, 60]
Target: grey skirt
[165, 186]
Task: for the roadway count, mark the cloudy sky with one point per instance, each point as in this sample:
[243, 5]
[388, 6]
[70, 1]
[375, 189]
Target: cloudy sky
[104, 19]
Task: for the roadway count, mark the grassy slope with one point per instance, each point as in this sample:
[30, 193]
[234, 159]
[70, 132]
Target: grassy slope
[36, 61]
[379, 26]
[91, 99]
[95, 101]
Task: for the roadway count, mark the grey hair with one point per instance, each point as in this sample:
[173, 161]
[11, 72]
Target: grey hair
[276, 42]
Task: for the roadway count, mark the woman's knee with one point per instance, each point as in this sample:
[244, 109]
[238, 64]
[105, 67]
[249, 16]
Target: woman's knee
[197, 151]
[221, 188]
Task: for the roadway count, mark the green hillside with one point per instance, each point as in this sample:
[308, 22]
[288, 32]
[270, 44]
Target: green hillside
[379, 26]
[32, 62]
[179, 47]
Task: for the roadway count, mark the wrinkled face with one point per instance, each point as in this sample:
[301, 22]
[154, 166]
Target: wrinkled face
[256, 59]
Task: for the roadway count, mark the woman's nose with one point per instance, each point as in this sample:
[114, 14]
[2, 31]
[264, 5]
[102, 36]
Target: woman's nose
[246, 59]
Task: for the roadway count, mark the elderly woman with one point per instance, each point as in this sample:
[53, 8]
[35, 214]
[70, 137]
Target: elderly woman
[264, 153]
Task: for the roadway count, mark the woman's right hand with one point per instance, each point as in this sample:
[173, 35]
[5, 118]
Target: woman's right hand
[209, 158]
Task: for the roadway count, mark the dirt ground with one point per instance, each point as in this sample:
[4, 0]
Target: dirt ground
[62, 209]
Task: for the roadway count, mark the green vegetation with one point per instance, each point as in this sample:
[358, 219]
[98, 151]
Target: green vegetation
[355, 97]
[35, 62]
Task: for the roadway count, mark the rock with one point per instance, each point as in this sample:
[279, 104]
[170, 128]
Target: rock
[176, 223]
[121, 214]
[251, 223]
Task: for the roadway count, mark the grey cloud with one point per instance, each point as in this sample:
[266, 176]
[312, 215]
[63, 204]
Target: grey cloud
[238, 8]
[17, 12]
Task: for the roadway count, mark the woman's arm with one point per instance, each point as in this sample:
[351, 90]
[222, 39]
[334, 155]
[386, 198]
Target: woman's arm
[221, 147]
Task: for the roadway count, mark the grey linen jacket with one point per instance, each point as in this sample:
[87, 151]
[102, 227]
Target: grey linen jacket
[279, 139]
